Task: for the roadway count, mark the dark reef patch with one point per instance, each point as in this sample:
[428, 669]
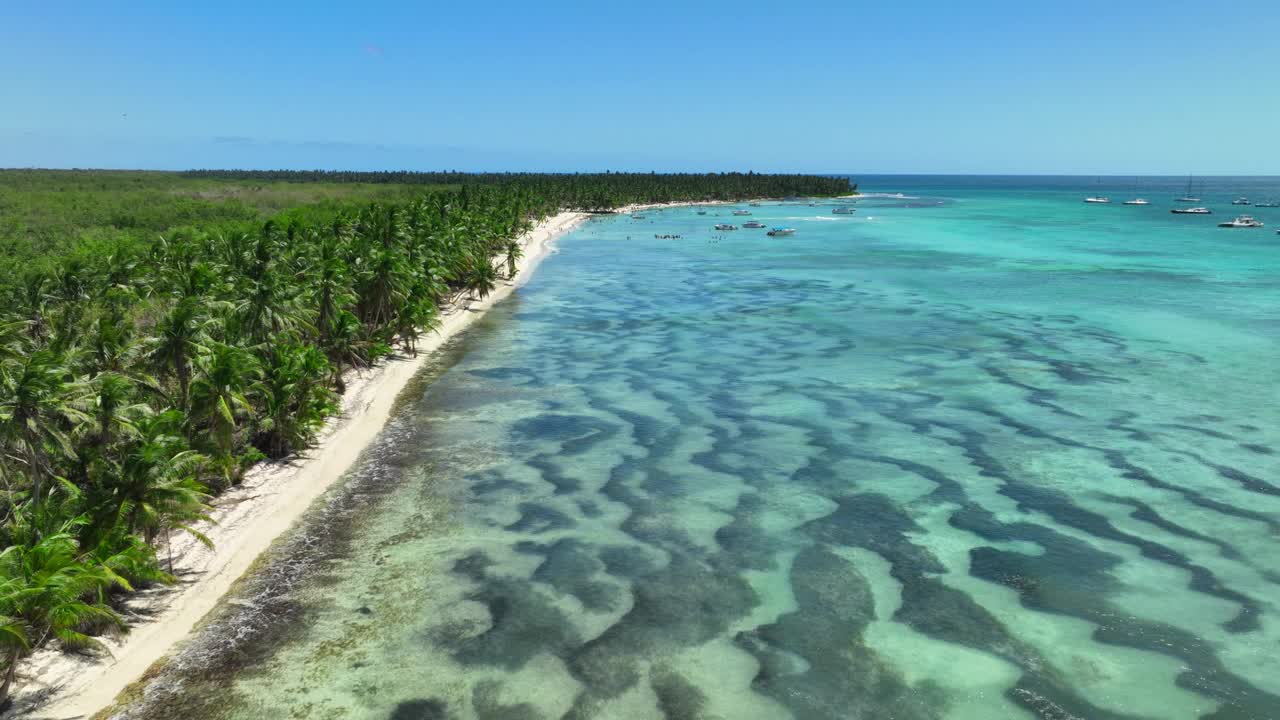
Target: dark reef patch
[571, 568]
[484, 698]
[538, 518]
[576, 433]
[683, 604]
[840, 677]
[431, 709]
[523, 623]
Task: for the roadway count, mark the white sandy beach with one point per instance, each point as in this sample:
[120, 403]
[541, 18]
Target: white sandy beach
[52, 684]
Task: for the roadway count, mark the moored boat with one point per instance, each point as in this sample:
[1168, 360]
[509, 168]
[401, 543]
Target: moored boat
[754, 225]
[741, 212]
[844, 210]
[726, 226]
[1098, 200]
[755, 204]
[1192, 211]
[780, 231]
[1244, 221]
[1240, 201]
[1137, 201]
[637, 216]
[1268, 203]
[1188, 197]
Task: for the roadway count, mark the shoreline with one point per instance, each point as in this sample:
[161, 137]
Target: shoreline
[249, 517]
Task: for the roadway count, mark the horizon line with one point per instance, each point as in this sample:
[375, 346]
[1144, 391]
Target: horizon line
[32, 168]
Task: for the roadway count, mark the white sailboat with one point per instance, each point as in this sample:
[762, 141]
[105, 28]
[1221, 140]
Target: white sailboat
[1098, 199]
[1188, 198]
[1137, 200]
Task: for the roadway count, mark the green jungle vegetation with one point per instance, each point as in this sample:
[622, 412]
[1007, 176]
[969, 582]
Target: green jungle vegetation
[162, 332]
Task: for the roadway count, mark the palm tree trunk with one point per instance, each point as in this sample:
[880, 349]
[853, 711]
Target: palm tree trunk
[184, 377]
[8, 679]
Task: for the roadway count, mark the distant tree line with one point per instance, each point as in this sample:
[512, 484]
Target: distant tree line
[140, 376]
[575, 187]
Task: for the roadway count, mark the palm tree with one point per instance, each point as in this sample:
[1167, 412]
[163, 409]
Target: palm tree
[111, 344]
[157, 488]
[482, 279]
[514, 253]
[43, 587]
[295, 400]
[219, 402]
[331, 285]
[13, 645]
[181, 336]
[382, 287]
[109, 409]
[347, 346]
[33, 297]
[13, 340]
[37, 409]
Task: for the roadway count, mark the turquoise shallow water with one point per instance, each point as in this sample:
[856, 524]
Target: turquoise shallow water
[980, 452]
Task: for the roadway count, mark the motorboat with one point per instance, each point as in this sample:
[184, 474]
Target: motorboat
[780, 231]
[1268, 203]
[1137, 201]
[726, 226]
[1098, 200]
[637, 216]
[755, 204]
[741, 212]
[844, 210]
[1244, 221]
[1240, 201]
[754, 225]
[1192, 211]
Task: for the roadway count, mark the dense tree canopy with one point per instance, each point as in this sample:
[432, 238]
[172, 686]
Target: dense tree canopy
[142, 372]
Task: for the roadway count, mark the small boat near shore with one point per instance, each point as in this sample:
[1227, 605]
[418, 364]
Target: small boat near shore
[844, 210]
[726, 226]
[637, 216]
[741, 212]
[781, 231]
[702, 212]
[754, 224]
[1244, 221]
[1192, 211]
[1137, 201]
[755, 204]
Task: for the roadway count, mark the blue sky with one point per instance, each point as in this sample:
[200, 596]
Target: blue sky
[982, 87]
